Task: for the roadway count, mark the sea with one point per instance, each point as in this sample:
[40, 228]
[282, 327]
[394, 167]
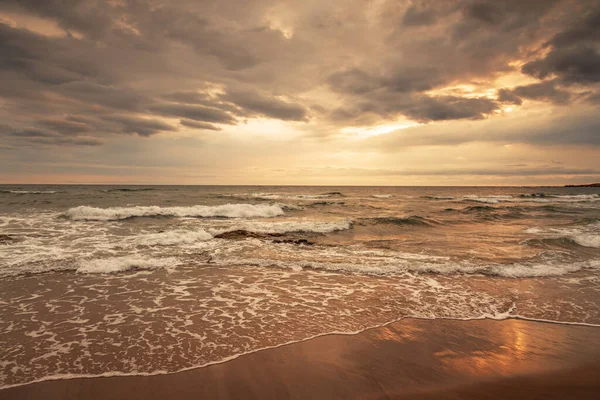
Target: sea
[143, 280]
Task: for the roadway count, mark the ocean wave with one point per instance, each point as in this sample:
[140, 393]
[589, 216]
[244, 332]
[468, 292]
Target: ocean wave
[480, 199]
[128, 190]
[282, 227]
[259, 230]
[87, 213]
[487, 199]
[490, 213]
[310, 196]
[414, 263]
[524, 198]
[561, 242]
[358, 260]
[265, 196]
[173, 237]
[113, 265]
[281, 196]
[30, 191]
[439, 197]
[317, 196]
[575, 198]
[585, 235]
[410, 220]
[382, 196]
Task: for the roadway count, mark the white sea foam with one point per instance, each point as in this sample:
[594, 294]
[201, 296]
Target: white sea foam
[495, 199]
[182, 236]
[301, 225]
[356, 260]
[587, 240]
[400, 266]
[125, 263]
[311, 196]
[487, 199]
[226, 210]
[585, 235]
[167, 238]
[577, 198]
[382, 196]
[29, 191]
[265, 196]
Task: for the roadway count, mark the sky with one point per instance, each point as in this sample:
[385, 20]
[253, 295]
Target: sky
[311, 92]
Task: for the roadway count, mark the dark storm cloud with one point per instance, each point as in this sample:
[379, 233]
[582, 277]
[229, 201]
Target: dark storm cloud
[579, 129]
[47, 137]
[440, 44]
[140, 126]
[417, 17]
[108, 96]
[445, 108]
[571, 65]
[199, 125]
[401, 93]
[543, 91]
[585, 29]
[507, 96]
[65, 126]
[189, 97]
[197, 113]
[91, 17]
[573, 55]
[266, 106]
[117, 62]
[135, 67]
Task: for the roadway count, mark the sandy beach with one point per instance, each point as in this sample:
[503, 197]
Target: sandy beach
[431, 359]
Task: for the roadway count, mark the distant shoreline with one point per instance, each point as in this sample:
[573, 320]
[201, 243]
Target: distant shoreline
[587, 185]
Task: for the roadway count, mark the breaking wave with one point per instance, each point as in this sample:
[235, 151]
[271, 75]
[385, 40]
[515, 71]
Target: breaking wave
[381, 263]
[531, 198]
[282, 227]
[113, 265]
[87, 213]
[30, 191]
[410, 220]
[128, 190]
[586, 235]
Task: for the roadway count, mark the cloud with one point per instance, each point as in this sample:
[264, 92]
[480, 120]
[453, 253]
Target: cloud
[122, 68]
[193, 112]
[272, 107]
[138, 125]
[573, 57]
[576, 129]
[543, 91]
[571, 65]
[36, 136]
[450, 108]
[199, 125]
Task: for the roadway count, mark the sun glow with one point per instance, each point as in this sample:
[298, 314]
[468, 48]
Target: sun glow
[370, 131]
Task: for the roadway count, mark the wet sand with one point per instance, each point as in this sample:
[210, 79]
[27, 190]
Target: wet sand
[424, 359]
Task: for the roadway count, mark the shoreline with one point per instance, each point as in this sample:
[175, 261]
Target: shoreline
[399, 353]
[117, 374]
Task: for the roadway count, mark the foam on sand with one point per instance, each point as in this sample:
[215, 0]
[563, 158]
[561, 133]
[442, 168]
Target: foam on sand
[227, 210]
